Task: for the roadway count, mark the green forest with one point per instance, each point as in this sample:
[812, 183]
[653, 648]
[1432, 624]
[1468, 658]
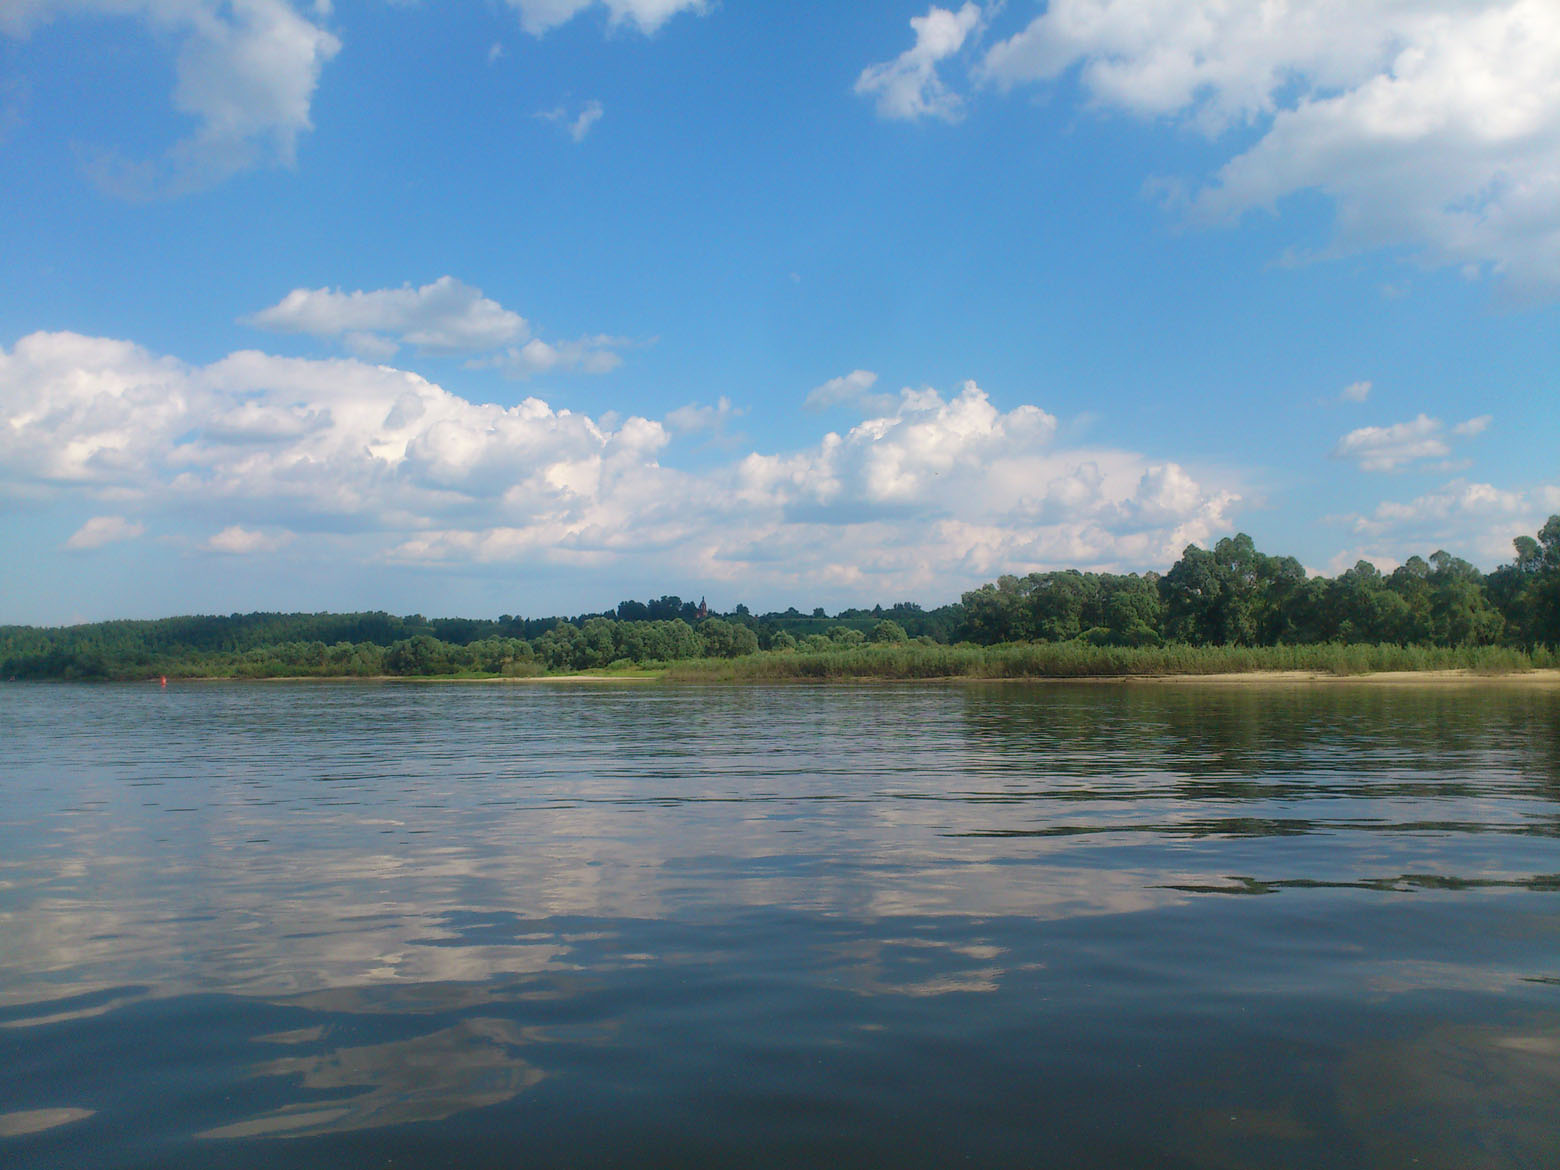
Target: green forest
[1228, 607]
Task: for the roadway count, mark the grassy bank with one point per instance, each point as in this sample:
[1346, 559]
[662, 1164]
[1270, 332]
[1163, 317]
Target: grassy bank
[1080, 660]
[914, 660]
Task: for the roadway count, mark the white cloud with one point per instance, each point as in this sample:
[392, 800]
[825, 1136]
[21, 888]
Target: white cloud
[908, 87]
[1475, 520]
[101, 530]
[935, 493]
[576, 125]
[371, 347]
[446, 316]
[853, 390]
[1356, 392]
[539, 16]
[694, 417]
[1393, 447]
[1222, 63]
[246, 71]
[86, 410]
[1389, 448]
[1433, 125]
[593, 355]
[953, 489]
[370, 444]
[240, 541]
[1474, 426]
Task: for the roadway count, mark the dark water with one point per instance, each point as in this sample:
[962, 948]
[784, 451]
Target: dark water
[1072, 926]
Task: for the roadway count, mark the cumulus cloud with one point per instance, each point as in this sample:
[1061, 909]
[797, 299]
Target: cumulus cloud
[694, 417]
[576, 124]
[909, 87]
[938, 490]
[246, 71]
[593, 355]
[1462, 515]
[853, 390]
[1433, 125]
[444, 317]
[1473, 426]
[101, 530]
[942, 490]
[86, 410]
[1393, 447]
[1389, 448]
[1355, 392]
[240, 541]
[539, 16]
[371, 446]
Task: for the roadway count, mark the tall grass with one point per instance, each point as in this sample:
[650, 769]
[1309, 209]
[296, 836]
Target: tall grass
[1081, 660]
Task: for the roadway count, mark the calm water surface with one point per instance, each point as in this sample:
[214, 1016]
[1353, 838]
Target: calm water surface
[1009, 925]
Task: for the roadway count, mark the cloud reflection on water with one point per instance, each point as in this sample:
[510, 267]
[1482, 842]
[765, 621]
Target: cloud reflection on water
[334, 831]
[29, 1121]
[386, 854]
[473, 1064]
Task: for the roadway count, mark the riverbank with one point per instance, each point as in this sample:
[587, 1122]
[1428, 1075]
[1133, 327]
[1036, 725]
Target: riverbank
[922, 661]
[1079, 660]
[1537, 679]
[1545, 678]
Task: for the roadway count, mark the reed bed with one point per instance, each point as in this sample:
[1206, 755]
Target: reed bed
[1081, 660]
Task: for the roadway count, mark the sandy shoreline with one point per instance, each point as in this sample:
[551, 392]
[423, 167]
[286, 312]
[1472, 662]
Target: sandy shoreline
[1542, 679]
[425, 678]
[1529, 679]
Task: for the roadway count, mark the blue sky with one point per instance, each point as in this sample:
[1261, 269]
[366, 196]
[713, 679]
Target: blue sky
[534, 305]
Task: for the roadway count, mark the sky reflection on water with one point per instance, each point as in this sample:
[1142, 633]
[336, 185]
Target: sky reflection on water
[804, 914]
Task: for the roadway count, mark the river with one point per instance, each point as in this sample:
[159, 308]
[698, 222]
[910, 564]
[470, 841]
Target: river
[1072, 925]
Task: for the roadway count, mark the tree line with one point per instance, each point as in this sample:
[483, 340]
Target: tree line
[1235, 595]
[1229, 595]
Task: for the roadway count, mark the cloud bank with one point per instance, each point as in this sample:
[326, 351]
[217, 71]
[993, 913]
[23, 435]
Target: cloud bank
[1473, 519]
[938, 492]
